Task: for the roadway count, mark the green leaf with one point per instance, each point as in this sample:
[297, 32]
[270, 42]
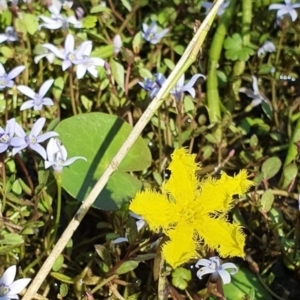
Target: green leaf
[7, 52]
[63, 290]
[271, 167]
[137, 43]
[62, 277]
[89, 22]
[267, 200]
[127, 4]
[118, 73]
[235, 50]
[289, 174]
[103, 254]
[31, 23]
[58, 87]
[127, 266]
[242, 285]
[98, 137]
[11, 239]
[58, 263]
[100, 8]
[103, 52]
[181, 278]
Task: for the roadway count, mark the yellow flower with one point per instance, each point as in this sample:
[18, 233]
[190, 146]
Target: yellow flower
[189, 211]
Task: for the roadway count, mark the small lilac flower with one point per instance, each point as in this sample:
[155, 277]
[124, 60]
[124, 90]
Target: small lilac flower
[151, 35]
[266, 47]
[180, 87]
[57, 156]
[117, 42]
[153, 86]
[213, 266]
[69, 54]
[253, 94]
[88, 64]
[6, 135]
[37, 100]
[9, 289]
[31, 140]
[286, 9]
[208, 5]
[56, 20]
[9, 35]
[50, 56]
[6, 79]
[64, 3]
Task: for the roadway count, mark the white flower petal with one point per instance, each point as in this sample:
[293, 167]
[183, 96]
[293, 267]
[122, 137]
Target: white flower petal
[17, 286]
[27, 91]
[45, 87]
[9, 275]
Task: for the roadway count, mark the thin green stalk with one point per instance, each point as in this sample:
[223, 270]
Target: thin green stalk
[58, 178]
[188, 57]
[71, 87]
[239, 66]
[213, 99]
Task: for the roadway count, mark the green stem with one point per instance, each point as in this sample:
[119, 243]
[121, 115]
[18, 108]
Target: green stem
[72, 92]
[213, 99]
[103, 282]
[239, 66]
[58, 178]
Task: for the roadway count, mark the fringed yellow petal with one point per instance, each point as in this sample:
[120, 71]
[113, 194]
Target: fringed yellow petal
[154, 208]
[183, 182]
[214, 197]
[238, 184]
[181, 247]
[219, 234]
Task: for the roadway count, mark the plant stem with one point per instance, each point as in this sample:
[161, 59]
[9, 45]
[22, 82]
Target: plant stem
[213, 99]
[58, 178]
[71, 88]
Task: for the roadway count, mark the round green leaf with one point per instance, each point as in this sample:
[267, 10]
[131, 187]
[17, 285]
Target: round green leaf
[267, 200]
[98, 137]
[289, 174]
[271, 167]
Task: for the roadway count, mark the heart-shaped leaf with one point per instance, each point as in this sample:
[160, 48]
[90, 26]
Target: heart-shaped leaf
[98, 137]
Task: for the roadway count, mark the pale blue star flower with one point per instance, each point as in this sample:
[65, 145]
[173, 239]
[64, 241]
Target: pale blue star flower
[208, 5]
[9, 289]
[9, 35]
[50, 56]
[3, 6]
[214, 267]
[152, 86]
[68, 55]
[57, 156]
[266, 47]
[6, 79]
[57, 21]
[6, 135]
[286, 9]
[180, 87]
[151, 34]
[88, 64]
[254, 94]
[31, 140]
[37, 100]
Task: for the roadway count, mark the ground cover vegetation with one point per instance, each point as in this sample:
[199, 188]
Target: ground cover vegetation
[205, 204]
